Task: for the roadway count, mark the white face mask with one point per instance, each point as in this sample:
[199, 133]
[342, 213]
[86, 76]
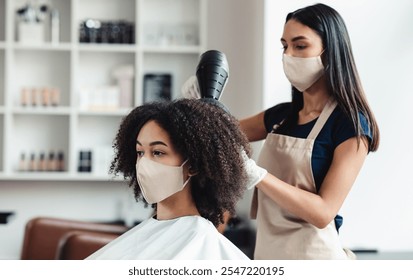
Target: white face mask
[302, 72]
[159, 181]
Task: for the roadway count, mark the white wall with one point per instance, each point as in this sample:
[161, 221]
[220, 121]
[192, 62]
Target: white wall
[379, 211]
[235, 27]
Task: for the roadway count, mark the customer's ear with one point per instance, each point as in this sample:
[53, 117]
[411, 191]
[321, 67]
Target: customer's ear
[192, 171]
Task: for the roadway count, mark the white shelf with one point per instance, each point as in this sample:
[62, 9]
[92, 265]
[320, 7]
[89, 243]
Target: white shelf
[42, 47]
[86, 47]
[57, 176]
[74, 67]
[173, 49]
[118, 112]
[41, 110]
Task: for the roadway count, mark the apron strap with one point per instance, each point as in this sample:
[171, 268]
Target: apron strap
[322, 119]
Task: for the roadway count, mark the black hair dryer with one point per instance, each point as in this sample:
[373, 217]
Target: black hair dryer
[212, 73]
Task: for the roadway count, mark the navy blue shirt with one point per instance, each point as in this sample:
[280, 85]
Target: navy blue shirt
[336, 130]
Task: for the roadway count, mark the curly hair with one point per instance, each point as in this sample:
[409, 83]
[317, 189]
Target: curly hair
[207, 136]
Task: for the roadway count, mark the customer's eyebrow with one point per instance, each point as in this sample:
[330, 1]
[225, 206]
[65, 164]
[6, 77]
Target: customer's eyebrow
[153, 143]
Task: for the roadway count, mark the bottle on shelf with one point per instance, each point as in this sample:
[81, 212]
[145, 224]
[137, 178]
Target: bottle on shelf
[85, 161]
[34, 96]
[51, 162]
[42, 163]
[32, 162]
[60, 161]
[124, 75]
[24, 96]
[22, 163]
[45, 96]
[55, 97]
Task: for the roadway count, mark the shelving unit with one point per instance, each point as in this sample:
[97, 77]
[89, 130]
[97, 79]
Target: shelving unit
[71, 66]
[2, 78]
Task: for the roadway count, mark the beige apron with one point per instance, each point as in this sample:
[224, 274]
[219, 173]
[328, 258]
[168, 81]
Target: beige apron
[280, 234]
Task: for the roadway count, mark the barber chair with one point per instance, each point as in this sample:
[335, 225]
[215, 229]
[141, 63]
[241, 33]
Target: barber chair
[43, 236]
[78, 245]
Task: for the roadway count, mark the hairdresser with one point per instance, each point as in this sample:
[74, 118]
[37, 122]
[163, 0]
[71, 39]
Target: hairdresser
[314, 145]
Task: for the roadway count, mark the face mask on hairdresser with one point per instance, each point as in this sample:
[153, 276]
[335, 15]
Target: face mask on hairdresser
[159, 181]
[302, 72]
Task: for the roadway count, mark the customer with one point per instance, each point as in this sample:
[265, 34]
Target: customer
[182, 157]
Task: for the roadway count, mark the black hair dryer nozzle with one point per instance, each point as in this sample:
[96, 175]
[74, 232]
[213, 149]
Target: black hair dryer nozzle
[212, 74]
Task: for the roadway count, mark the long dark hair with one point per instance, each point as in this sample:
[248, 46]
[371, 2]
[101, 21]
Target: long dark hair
[343, 81]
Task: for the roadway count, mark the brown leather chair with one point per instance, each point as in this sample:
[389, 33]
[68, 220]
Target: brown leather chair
[43, 234]
[78, 245]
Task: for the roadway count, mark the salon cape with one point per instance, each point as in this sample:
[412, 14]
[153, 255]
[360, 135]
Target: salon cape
[184, 238]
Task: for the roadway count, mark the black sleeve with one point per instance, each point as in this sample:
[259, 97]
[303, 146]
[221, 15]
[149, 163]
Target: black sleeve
[275, 115]
[344, 129]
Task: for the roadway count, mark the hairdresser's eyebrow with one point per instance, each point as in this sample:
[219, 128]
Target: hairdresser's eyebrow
[297, 38]
[153, 143]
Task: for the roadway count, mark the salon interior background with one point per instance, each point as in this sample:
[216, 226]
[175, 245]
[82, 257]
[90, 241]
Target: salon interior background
[378, 213]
